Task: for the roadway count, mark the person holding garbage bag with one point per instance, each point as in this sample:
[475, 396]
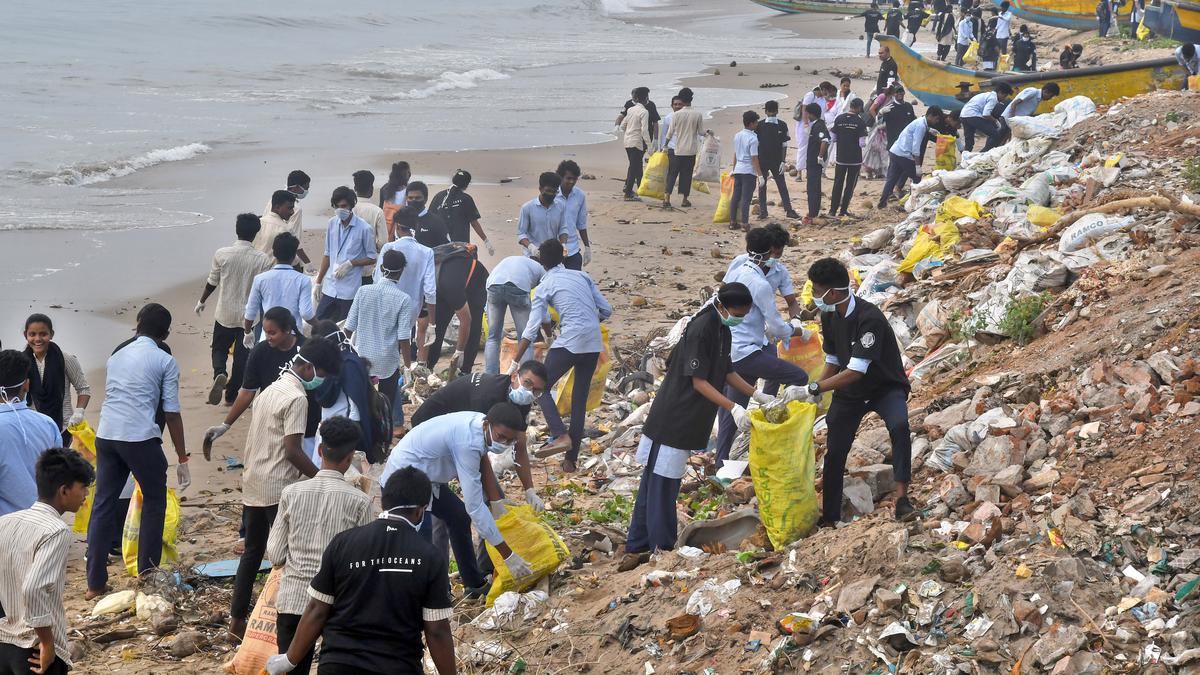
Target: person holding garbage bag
[864, 371]
[456, 445]
[681, 418]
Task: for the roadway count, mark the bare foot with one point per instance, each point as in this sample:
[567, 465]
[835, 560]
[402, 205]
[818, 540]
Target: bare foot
[93, 594]
[568, 466]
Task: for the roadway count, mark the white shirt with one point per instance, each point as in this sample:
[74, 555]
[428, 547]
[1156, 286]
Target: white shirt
[663, 130]
[980, 105]
[280, 286]
[418, 280]
[271, 226]
[745, 147]
[138, 378]
[636, 126]
[1004, 24]
[671, 462]
[777, 275]
[763, 323]
[1024, 104]
[233, 271]
[373, 216]
[686, 132]
[518, 270]
[580, 308]
[966, 31]
[1192, 65]
[445, 448]
[574, 215]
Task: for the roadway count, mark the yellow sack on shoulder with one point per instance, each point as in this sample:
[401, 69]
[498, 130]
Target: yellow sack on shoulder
[654, 178]
[808, 355]
[532, 539]
[562, 392]
[721, 216]
[259, 643]
[784, 472]
[133, 526]
[945, 152]
[83, 441]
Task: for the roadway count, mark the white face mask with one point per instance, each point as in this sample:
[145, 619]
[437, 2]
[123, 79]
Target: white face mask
[343, 214]
[520, 396]
[388, 515]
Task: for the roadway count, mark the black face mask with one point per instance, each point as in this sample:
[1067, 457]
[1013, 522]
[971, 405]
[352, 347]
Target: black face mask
[417, 204]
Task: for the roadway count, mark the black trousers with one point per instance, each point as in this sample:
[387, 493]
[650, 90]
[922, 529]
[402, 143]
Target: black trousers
[960, 51]
[845, 179]
[339, 669]
[843, 420]
[224, 338]
[681, 168]
[771, 170]
[574, 262]
[457, 285]
[14, 660]
[285, 632]
[259, 520]
[634, 175]
[942, 52]
[813, 183]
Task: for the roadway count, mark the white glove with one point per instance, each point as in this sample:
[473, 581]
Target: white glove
[456, 361]
[797, 392]
[279, 664]
[498, 508]
[517, 566]
[316, 298]
[531, 496]
[199, 307]
[213, 433]
[248, 340]
[512, 368]
[762, 398]
[406, 381]
[531, 249]
[762, 181]
[343, 270]
[310, 269]
[487, 243]
[184, 475]
[741, 418]
[76, 417]
[782, 168]
[587, 255]
[805, 333]
[821, 161]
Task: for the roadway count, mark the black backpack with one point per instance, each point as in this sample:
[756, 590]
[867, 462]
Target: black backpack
[380, 416]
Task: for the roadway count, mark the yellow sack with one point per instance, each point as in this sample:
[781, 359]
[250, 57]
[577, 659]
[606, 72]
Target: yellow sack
[133, 525]
[83, 441]
[532, 539]
[806, 299]
[809, 355]
[945, 152]
[562, 392]
[700, 186]
[935, 242]
[722, 213]
[956, 207]
[483, 332]
[1193, 82]
[1042, 217]
[1142, 31]
[259, 643]
[1003, 63]
[971, 57]
[654, 178]
[784, 471]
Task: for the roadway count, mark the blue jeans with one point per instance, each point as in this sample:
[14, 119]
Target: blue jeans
[501, 298]
[843, 420]
[743, 191]
[762, 364]
[115, 460]
[559, 361]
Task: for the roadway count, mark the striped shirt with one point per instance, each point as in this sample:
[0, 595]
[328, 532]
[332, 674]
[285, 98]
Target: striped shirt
[139, 376]
[280, 286]
[75, 378]
[33, 571]
[311, 512]
[373, 216]
[419, 279]
[580, 308]
[233, 271]
[380, 316]
[279, 410]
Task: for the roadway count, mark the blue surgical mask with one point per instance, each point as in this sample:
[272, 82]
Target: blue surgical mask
[727, 319]
[316, 380]
[770, 262]
[827, 307]
[520, 396]
[497, 448]
[343, 214]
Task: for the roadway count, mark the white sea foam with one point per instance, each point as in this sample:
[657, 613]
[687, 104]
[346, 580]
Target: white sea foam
[88, 174]
[451, 80]
[626, 6]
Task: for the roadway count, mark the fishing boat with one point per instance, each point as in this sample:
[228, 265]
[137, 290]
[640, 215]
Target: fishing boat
[819, 6]
[940, 84]
[1072, 14]
[1174, 19]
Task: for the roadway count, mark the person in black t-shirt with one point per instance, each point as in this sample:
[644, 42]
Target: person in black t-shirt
[461, 291]
[772, 149]
[681, 419]
[380, 587]
[913, 18]
[431, 227]
[818, 151]
[888, 75]
[864, 371]
[458, 210]
[896, 114]
[1024, 51]
[894, 20]
[849, 136]
[871, 19]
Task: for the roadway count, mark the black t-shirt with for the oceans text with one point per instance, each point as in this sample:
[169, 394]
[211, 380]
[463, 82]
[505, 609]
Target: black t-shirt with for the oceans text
[864, 334]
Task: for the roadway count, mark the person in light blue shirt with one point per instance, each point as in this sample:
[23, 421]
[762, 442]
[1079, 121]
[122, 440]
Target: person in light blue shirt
[24, 435]
[141, 377]
[349, 243]
[508, 290]
[381, 318]
[907, 151]
[1004, 26]
[542, 218]
[575, 215]
[281, 286]
[419, 280]
[455, 446]
[777, 273]
[966, 34]
[580, 308]
[984, 114]
[1025, 104]
[752, 353]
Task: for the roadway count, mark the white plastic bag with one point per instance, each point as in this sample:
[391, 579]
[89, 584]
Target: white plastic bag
[1044, 126]
[1075, 110]
[959, 179]
[1092, 227]
[708, 165]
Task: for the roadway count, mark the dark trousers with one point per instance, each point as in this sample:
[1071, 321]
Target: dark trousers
[574, 262]
[771, 170]
[681, 168]
[458, 285]
[843, 419]
[942, 52]
[870, 39]
[558, 362]
[333, 309]
[634, 175]
[259, 520]
[115, 460]
[899, 170]
[1003, 43]
[390, 387]
[845, 179]
[14, 660]
[339, 669]
[739, 203]
[654, 525]
[812, 182]
[960, 50]
[450, 510]
[285, 632]
[762, 364]
[985, 126]
[223, 338]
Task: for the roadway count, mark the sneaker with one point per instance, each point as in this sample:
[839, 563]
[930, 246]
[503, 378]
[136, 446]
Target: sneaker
[632, 198]
[792, 214]
[217, 391]
[905, 511]
[762, 215]
[666, 203]
[831, 214]
[685, 203]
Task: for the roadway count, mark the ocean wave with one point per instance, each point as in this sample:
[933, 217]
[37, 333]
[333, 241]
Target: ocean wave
[88, 174]
[626, 6]
[448, 81]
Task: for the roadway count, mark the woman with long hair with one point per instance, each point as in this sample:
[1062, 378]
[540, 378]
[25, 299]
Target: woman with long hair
[53, 375]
